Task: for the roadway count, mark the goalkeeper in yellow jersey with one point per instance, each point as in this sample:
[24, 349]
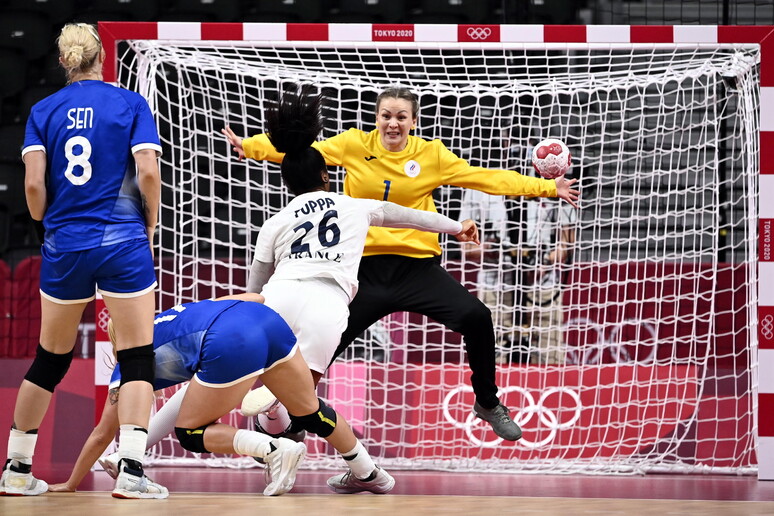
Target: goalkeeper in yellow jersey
[401, 268]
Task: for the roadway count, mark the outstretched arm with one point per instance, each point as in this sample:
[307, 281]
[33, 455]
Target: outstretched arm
[396, 216]
[100, 438]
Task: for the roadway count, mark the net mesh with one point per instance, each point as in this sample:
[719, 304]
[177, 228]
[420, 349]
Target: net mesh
[629, 353]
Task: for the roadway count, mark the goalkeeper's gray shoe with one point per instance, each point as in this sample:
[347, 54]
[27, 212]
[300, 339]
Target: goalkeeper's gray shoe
[501, 421]
[347, 483]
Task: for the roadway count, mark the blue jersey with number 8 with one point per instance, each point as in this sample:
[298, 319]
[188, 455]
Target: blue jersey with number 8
[89, 131]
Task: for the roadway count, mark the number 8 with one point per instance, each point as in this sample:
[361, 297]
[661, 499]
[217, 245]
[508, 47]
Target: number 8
[79, 160]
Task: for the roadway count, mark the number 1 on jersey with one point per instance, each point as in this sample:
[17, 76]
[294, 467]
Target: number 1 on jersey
[386, 189]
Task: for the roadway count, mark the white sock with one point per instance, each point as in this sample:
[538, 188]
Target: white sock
[359, 461]
[21, 446]
[163, 422]
[278, 423]
[131, 442]
[254, 444]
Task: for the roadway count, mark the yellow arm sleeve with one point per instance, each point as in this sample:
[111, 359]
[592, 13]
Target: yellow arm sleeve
[456, 171]
[333, 149]
[259, 147]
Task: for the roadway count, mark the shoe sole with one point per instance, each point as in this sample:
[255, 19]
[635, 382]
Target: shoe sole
[257, 402]
[285, 484]
[110, 467]
[136, 495]
[387, 489]
[14, 492]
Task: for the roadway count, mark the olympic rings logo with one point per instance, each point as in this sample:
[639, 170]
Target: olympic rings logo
[647, 339]
[529, 408]
[479, 32]
[767, 327]
[102, 318]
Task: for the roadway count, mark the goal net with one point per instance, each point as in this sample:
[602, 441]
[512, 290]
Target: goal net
[626, 351]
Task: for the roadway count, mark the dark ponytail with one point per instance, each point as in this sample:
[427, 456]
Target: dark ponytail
[292, 126]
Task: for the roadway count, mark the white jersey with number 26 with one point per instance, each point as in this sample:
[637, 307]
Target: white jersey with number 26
[322, 235]
[319, 235]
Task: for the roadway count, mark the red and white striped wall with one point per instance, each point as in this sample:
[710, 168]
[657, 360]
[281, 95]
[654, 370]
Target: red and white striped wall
[111, 32]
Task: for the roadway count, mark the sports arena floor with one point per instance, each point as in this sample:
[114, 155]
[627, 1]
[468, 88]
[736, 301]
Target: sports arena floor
[219, 492]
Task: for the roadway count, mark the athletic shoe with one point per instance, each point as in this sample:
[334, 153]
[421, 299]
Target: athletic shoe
[347, 483]
[21, 484]
[282, 465]
[501, 422]
[293, 436]
[132, 483]
[110, 464]
[258, 401]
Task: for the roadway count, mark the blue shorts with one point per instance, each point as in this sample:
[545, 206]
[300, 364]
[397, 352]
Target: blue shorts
[120, 270]
[244, 341]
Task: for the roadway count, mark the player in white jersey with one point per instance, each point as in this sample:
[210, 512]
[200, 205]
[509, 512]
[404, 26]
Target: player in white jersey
[92, 178]
[307, 256]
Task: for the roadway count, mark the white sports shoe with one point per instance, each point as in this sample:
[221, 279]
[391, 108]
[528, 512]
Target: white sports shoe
[258, 401]
[21, 484]
[129, 485]
[282, 465]
[347, 483]
[110, 464]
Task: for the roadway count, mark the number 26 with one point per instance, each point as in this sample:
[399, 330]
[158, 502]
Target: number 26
[326, 227]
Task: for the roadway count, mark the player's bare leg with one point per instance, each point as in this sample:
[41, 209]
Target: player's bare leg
[196, 431]
[59, 327]
[132, 322]
[294, 386]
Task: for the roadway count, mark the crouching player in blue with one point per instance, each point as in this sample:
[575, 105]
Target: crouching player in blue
[222, 346]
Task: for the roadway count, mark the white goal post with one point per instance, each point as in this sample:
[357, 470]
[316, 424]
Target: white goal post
[659, 342]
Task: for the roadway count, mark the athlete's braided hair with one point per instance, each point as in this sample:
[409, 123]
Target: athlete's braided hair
[292, 126]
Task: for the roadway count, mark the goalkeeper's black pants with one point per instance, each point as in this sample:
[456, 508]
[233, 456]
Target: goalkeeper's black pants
[392, 283]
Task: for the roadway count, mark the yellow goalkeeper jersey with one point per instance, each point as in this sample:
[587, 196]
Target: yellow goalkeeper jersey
[407, 178]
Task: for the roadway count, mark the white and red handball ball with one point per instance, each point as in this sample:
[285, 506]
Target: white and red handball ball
[551, 158]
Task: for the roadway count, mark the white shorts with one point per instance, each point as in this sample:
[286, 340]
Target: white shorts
[316, 310]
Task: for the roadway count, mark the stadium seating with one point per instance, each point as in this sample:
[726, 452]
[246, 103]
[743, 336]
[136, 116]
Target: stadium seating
[47, 72]
[203, 10]
[368, 11]
[15, 82]
[451, 11]
[291, 11]
[131, 10]
[11, 139]
[25, 303]
[56, 11]
[27, 32]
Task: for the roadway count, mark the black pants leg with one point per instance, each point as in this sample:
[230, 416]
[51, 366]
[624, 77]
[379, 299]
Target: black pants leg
[390, 283]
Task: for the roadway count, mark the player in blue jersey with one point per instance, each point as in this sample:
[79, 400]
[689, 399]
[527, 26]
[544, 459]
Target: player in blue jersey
[222, 346]
[91, 176]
